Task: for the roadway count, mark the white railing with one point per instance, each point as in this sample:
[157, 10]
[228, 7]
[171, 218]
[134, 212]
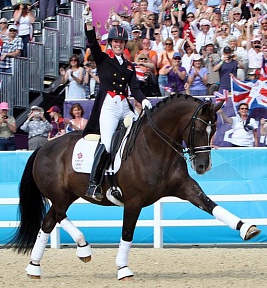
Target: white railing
[157, 223]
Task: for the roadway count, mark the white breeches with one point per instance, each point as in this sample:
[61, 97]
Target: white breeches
[113, 110]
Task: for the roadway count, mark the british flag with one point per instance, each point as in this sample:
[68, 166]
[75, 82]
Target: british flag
[241, 91]
[221, 97]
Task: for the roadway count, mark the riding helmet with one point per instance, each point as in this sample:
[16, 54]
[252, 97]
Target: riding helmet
[117, 33]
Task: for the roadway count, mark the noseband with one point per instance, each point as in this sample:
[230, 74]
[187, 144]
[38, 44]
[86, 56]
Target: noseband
[192, 150]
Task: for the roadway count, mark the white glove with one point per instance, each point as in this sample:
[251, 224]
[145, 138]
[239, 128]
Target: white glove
[146, 103]
[87, 14]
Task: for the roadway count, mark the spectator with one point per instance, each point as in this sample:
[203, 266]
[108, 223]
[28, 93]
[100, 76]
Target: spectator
[142, 15]
[157, 45]
[124, 21]
[203, 10]
[176, 75]
[263, 131]
[227, 66]
[175, 35]
[244, 127]
[151, 54]
[148, 27]
[242, 57]
[47, 8]
[74, 75]
[164, 59]
[253, 75]
[77, 122]
[154, 6]
[210, 59]
[57, 122]
[166, 27]
[236, 22]
[222, 37]
[37, 128]
[4, 29]
[198, 78]
[225, 8]
[12, 48]
[7, 129]
[186, 25]
[257, 9]
[91, 79]
[242, 39]
[145, 74]
[24, 17]
[187, 53]
[135, 44]
[216, 18]
[203, 32]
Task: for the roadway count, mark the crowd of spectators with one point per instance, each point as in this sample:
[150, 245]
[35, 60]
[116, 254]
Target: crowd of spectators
[186, 46]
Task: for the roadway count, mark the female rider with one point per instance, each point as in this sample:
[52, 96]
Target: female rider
[111, 104]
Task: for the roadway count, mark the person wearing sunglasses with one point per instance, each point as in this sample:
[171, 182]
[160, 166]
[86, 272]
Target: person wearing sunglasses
[157, 45]
[73, 74]
[176, 75]
[12, 47]
[186, 25]
[116, 76]
[3, 29]
[244, 127]
[236, 22]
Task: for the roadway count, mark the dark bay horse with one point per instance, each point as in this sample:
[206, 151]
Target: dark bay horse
[156, 168]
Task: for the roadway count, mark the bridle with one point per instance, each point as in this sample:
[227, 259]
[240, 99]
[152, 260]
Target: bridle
[191, 150]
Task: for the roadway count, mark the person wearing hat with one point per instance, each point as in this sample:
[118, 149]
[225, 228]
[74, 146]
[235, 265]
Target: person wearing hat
[135, 44]
[12, 47]
[57, 122]
[221, 38]
[166, 22]
[8, 128]
[228, 65]
[203, 32]
[23, 15]
[210, 58]
[176, 75]
[198, 78]
[116, 74]
[253, 75]
[37, 128]
[3, 30]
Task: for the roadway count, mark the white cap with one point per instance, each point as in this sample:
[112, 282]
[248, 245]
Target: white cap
[204, 22]
[196, 57]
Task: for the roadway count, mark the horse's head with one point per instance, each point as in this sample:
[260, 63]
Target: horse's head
[199, 132]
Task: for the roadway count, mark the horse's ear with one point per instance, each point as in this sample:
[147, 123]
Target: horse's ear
[217, 106]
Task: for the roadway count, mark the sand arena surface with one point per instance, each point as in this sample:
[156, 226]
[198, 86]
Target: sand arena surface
[168, 267]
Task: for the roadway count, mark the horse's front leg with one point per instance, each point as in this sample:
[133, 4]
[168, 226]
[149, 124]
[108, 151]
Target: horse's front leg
[130, 217]
[192, 192]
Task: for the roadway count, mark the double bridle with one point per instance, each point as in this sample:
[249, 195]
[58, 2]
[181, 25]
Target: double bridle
[191, 150]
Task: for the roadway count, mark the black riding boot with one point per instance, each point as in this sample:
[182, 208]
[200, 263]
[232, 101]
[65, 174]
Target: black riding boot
[97, 174]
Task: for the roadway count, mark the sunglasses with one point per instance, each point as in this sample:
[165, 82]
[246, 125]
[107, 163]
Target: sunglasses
[191, 16]
[168, 44]
[243, 108]
[174, 31]
[236, 14]
[3, 22]
[257, 9]
[263, 23]
[12, 30]
[176, 58]
[156, 33]
[142, 58]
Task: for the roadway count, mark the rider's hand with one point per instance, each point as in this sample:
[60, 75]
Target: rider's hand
[146, 103]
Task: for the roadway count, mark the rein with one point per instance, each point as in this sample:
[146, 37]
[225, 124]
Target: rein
[173, 144]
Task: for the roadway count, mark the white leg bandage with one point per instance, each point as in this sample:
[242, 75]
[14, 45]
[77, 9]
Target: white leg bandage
[123, 254]
[226, 217]
[39, 247]
[73, 231]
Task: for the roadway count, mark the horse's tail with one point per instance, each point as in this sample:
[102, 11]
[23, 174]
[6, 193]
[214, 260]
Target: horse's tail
[32, 209]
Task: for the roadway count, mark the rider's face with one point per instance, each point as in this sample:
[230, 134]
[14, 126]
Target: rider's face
[117, 46]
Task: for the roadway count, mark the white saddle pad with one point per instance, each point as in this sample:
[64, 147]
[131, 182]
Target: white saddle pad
[83, 154]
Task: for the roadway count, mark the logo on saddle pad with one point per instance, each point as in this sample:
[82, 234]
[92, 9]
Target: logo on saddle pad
[84, 150]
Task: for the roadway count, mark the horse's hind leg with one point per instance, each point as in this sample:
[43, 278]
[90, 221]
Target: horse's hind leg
[33, 269]
[194, 194]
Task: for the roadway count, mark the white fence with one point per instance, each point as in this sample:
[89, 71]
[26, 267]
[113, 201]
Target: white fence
[157, 223]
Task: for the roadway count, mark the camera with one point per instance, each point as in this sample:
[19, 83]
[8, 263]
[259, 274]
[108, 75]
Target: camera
[5, 117]
[231, 56]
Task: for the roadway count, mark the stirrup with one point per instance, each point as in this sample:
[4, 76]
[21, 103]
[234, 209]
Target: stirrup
[95, 192]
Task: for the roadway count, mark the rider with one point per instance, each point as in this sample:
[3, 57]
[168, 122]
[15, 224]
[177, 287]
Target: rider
[111, 104]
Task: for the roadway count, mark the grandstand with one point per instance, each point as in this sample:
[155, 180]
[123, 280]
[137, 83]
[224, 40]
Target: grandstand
[35, 80]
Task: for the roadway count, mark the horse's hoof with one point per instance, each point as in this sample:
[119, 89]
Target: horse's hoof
[252, 232]
[248, 231]
[84, 252]
[125, 273]
[85, 259]
[34, 276]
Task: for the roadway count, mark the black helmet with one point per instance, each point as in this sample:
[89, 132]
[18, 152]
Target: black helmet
[117, 33]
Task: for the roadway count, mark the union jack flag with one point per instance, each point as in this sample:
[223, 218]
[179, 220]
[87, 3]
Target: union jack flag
[241, 91]
[221, 97]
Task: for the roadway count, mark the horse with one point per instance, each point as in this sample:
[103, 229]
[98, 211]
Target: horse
[155, 168]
